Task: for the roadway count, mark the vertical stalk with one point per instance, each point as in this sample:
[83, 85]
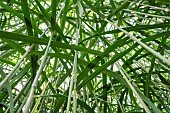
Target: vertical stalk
[69, 95]
[75, 79]
[74, 71]
[35, 82]
[84, 96]
[23, 102]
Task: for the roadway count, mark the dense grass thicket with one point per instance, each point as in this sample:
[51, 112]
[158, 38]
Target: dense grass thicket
[84, 56]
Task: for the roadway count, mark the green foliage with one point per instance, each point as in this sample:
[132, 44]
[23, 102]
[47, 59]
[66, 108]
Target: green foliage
[84, 56]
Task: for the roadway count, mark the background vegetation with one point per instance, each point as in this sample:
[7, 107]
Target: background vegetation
[102, 56]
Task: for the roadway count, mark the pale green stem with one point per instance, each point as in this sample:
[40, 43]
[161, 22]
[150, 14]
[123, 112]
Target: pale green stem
[159, 56]
[58, 77]
[84, 96]
[137, 89]
[132, 88]
[153, 43]
[75, 78]
[39, 99]
[74, 73]
[157, 84]
[35, 82]
[73, 81]
[69, 95]
[29, 100]
[11, 104]
[161, 84]
[157, 81]
[146, 14]
[20, 93]
[21, 106]
[153, 7]
[7, 78]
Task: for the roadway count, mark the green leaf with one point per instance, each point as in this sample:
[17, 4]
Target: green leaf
[29, 39]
